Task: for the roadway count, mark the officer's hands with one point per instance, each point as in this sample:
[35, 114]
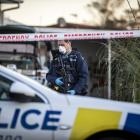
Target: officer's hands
[71, 92]
[59, 81]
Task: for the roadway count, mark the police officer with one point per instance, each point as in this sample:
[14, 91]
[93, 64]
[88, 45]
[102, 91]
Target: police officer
[74, 76]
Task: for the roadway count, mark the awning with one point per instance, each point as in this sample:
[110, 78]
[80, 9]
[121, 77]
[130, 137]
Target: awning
[15, 29]
[11, 1]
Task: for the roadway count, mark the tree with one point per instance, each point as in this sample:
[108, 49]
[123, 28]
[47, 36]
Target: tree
[125, 69]
[107, 10]
[125, 52]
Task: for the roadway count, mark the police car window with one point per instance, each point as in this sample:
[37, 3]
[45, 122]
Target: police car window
[5, 85]
[4, 88]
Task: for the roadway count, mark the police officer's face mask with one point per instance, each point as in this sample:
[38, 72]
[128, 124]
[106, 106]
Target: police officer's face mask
[62, 49]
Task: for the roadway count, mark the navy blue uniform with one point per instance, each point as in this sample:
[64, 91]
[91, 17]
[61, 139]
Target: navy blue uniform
[76, 69]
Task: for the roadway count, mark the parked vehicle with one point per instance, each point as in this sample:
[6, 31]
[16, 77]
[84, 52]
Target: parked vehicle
[21, 56]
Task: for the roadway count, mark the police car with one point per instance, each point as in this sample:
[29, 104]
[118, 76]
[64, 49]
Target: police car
[30, 111]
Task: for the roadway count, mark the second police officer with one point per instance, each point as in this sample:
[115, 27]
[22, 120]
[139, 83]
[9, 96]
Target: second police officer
[69, 71]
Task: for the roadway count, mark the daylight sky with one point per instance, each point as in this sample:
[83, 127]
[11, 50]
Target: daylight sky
[46, 12]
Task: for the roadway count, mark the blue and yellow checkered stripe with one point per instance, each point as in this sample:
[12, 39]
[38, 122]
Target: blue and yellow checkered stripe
[132, 123]
[89, 121]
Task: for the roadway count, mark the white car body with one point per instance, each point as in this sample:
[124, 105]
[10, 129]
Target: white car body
[54, 116]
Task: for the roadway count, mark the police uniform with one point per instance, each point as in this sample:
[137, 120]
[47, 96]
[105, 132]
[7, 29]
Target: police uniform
[76, 70]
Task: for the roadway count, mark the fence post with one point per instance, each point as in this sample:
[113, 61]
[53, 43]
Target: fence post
[109, 69]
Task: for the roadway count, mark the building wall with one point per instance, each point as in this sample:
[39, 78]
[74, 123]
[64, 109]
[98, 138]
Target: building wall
[92, 50]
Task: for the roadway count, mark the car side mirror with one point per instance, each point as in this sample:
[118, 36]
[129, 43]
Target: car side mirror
[21, 92]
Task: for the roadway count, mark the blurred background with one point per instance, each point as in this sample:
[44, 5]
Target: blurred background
[97, 13]
[39, 16]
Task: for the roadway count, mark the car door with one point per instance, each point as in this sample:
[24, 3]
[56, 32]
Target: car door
[66, 123]
[24, 120]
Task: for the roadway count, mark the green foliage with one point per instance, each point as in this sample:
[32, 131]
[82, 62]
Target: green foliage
[125, 69]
